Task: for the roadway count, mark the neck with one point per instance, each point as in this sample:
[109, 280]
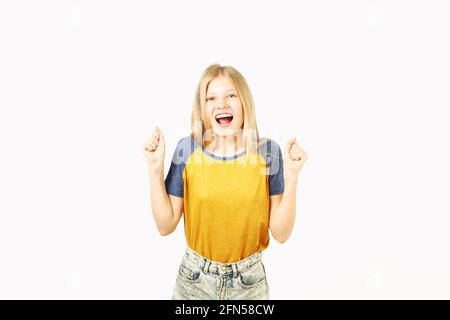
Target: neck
[226, 146]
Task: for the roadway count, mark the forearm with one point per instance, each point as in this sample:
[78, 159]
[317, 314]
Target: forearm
[160, 203]
[282, 221]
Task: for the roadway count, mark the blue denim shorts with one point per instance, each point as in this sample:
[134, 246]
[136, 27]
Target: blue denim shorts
[202, 279]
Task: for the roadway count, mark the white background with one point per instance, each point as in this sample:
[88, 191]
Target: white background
[363, 85]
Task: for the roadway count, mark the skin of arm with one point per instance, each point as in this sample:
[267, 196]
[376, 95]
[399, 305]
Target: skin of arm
[282, 211]
[283, 206]
[166, 208]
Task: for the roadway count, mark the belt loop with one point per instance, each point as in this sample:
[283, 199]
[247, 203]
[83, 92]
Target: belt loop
[234, 266]
[205, 265]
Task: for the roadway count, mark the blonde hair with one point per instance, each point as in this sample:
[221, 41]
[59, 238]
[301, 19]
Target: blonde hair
[199, 119]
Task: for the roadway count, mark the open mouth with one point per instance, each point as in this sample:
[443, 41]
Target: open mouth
[224, 118]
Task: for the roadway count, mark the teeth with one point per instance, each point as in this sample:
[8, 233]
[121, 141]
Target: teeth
[223, 115]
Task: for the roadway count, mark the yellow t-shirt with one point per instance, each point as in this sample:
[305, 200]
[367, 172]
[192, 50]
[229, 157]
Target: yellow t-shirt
[226, 199]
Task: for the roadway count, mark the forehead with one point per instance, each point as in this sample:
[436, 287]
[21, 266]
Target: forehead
[219, 85]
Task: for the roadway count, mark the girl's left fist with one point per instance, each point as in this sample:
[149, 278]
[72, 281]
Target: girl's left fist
[294, 157]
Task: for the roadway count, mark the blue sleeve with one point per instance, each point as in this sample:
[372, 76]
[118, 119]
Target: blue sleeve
[275, 163]
[174, 179]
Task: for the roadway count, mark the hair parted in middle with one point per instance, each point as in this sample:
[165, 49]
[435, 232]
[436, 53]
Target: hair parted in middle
[200, 121]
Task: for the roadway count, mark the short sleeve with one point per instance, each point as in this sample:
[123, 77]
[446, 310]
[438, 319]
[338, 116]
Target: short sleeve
[274, 158]
[174, 179]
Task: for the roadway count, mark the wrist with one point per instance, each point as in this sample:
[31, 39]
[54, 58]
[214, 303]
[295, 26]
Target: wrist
[156, 172]
[291, 178]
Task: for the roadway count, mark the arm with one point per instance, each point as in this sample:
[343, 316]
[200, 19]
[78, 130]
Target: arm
[283, 206]
[166, 208]
[282, 211]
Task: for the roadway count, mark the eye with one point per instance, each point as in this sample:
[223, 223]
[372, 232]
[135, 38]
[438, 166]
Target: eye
[209, 98]
[232, 95]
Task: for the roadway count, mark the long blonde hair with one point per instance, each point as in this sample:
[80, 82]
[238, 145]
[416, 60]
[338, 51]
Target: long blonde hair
[199, 119]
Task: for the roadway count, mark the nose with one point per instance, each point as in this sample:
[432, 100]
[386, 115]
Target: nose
[223, 98]
[221, 103]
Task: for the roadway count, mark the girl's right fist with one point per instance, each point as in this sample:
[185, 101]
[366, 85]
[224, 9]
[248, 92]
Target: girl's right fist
[153, 150]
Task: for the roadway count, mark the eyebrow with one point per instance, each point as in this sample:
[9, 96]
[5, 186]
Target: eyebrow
[212, 93]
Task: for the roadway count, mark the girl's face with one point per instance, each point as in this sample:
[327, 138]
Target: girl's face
[224, 107]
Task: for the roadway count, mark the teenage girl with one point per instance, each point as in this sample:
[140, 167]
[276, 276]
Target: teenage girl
[232, 187]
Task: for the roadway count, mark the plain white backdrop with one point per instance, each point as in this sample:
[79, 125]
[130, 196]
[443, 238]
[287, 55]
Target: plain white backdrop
[363, 85]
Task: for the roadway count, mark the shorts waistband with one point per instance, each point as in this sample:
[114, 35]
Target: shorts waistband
[219, 267]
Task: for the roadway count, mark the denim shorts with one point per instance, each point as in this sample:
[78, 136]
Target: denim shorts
[202, 279]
